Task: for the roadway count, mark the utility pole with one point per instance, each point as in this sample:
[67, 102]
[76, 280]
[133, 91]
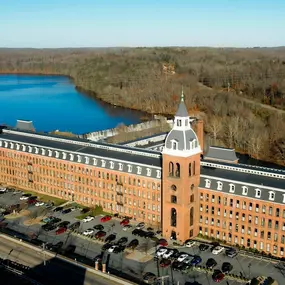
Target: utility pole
[162, 279]
[44, 253]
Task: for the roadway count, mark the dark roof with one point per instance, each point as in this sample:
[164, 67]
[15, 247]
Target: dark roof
[182, 110]
[25, 125]
[108, 150]
[242, 177]
[182, 137]
[221, 153]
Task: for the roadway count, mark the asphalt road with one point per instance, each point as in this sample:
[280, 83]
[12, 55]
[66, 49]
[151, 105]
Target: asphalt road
[55, 272]
[88, 248]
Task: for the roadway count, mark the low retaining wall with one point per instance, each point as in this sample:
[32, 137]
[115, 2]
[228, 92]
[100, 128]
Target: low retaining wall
[113, 278]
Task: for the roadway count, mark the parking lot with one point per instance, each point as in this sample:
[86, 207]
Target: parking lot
[141, 260]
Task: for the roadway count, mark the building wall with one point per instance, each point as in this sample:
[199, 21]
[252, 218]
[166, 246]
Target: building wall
[181, 178]
[244, 221]
[117, 192]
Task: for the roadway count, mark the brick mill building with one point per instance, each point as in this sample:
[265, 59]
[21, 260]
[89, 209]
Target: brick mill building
[176, 189]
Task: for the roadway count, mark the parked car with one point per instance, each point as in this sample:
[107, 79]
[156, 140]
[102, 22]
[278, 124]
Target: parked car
[88, 232]
[69, 249]
[122, 241]
[226, 267]
[88, 219]
[165, 263]
[149, 278]
[49, 227]
[135, 232]
[110, 238]
[196, 260]
[124, 222]
[106, 246]
[162, 242]
[3, 190]
[25, 196]
[66, 211]
[127, 227]
[176, 265]
[231, 252]
[58, 209]
[61, 230]
[149, 235]
[105, 219]
[183, 256]
[31, 201]
[133, 244]
[55, 220]
[140, 226]
[217, 250]
[211, 263]
[39, 203]
[203, 247]
[189, 243]
[85, 210]
[168, 254]
[57, 246]
[74, 226]
[99, 227]
[218, 276]
[116, 249]
[161, 251]
[100, 234]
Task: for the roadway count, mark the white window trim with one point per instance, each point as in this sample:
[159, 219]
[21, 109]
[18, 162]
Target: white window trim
[120, 166]
[130, 168]
[49, 152]
[283, 198]
[103, 162]
[244, 190]
[112, 164]
[78, 158]
[158, 174]
[64, 155]
[87, 159]
[71, 156]
[94, 161]
[43, 151]
[148, 172]
[207, 183]
[139, 170]
[174, 143]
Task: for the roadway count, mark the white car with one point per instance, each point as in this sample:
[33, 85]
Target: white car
[3, 190]
[127, 228]
[190, 243]
[182, 257]
[24, 198]
[161, 251]
[140, 226]
[88, 232]
[187, 260]
[111, 249]
[217, 249]
[88, 219]
[168, 253]
[38, 204]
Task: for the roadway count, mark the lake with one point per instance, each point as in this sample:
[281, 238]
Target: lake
[53, 103]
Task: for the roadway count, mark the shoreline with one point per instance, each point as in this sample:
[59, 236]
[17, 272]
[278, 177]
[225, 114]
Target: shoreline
[146, 116]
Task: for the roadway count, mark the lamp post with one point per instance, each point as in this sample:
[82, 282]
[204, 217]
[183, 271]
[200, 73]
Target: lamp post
[249, 266]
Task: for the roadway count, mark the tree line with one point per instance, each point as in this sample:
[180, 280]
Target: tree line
[240, 93]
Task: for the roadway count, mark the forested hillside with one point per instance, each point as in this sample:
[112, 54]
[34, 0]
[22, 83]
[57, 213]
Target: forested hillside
[239, 92]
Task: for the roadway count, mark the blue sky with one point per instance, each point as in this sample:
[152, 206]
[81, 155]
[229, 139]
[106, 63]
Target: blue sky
[101, 23]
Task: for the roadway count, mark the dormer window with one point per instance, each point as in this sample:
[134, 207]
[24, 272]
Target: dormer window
[232, 188]
[186, 123]
[24, 147]
[103, 162]
[6, 144]
[49, 152]
[257, 193]
[64, 155]
[43, 151]
[57, 154]
[30, 148]
[174, 145]
[283, 198]
[244, 190]
[87, 159]
[12, 145]
[112, 164]
[193, 144]
[139, 170]
[71, 157]
[148, 172]
[271, 195]
[207, 183]
[179, 123]
[220, 185]
[78, 158]
[120, 166]
[94, 161]
[18, 147]
[158, 174]
[130, 168]
[36, 149]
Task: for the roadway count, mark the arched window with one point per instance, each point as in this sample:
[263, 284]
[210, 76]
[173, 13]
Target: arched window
[171, 169]
[190, 169]
[173, 217]
[194, 167]
[191, 217]
[177, 171]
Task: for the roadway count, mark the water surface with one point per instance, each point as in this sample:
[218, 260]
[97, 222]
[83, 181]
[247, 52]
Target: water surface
[53, 103]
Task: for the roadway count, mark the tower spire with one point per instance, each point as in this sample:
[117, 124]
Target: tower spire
[182, 95]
